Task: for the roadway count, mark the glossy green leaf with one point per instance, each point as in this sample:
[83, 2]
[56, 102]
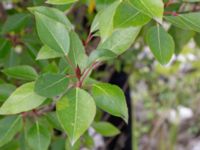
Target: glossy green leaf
[9, 126]
[95, 23]
[76, 111]
[111, 99]
[54, 14]
[58, 36]
[23, 72]
[5, 91]
[180, 41]
[64, 66]
[60, 2]
[105, 128]
[88, 140]
[39, 137]
[160, 43]
[120, 40]
[47, 53]
[101, 55]
[101, 4]
[187, 21]
[106, 21]
[50, 84]
[22, 99]
[152, 8]
[126, 15]
[77, 51]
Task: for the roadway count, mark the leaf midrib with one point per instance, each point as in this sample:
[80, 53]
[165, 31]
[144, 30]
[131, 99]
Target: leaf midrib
[54, 83]
[60, 46]
[159, 42]
[75, 115]
[130, 18]
[188, 20]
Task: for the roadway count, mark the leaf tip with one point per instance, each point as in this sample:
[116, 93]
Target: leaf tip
[125, 118]
[73, 141]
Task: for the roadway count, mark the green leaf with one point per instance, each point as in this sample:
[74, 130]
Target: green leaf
[120, 40]
[54, 14]
[47, 53]
[187, 21]
[58, 36]
[106, 21]
[9, 126]
[76, 111]
[101, 55]
[5, 47]
[101, 4]
[88, 140]
[126, 15]
[95, 23]
[106, 129]
[152, 8]
[60, 2]
[39, 137]
[160, 43]
[23, 72]
[77, 51]
[5, 91]
[50, 84]
[180, 41]
[19, 20]
[111, 99]
[12, 145]
[22, 99]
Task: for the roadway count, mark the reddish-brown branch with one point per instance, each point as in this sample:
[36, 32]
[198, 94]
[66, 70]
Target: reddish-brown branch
[93, 66]
[78, 73]
[170, 13]
[89, 38]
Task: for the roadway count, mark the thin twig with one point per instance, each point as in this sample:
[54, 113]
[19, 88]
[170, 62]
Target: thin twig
[171, 13]
[89, 38]
[93, 66]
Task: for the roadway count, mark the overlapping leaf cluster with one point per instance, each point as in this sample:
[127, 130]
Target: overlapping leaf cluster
[118, 25]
